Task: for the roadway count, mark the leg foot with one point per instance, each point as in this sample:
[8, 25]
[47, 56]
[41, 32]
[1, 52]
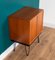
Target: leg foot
[38, 39]
[27, 49]
[14, 46]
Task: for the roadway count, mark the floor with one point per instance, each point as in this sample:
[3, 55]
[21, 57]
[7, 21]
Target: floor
[45, 50]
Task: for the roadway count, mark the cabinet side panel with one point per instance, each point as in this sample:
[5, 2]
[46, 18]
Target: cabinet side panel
[12, 28]
[40, 22]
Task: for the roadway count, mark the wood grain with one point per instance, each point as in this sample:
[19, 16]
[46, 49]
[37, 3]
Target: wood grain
[45, 50]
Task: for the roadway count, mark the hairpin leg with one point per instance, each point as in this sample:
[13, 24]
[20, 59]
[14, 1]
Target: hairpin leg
[38, 39]
[27, 50]
[14, 46]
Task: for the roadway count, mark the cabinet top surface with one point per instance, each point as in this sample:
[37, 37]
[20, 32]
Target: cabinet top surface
[25, 13]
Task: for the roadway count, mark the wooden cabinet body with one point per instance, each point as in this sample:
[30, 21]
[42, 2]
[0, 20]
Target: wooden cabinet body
[25, 25]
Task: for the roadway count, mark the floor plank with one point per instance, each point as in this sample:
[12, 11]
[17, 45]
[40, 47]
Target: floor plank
[45, 50]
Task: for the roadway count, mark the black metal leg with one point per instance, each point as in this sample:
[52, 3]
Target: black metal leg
[27, 50]
[38, 39]
[14, 46]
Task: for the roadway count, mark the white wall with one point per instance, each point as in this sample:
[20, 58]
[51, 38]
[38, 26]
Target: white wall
[49, 12]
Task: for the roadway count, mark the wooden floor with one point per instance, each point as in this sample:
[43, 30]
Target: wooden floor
[45, 50]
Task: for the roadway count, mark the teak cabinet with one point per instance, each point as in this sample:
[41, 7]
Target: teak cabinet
[25, 25]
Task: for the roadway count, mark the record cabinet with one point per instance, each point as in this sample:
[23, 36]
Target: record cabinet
[25, 25]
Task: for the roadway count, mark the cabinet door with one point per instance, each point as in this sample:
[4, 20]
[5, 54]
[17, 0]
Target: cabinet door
[33, 28]
[23, 31]
[40, 22]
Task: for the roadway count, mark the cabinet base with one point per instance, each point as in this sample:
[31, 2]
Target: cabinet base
[26, 46]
